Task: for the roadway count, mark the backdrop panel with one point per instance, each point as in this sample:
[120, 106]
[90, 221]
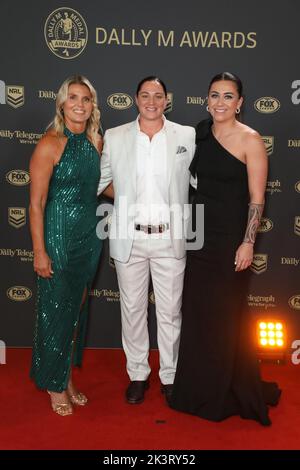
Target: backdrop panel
[115, 44]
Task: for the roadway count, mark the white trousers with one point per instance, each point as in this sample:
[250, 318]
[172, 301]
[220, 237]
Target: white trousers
[155, 256]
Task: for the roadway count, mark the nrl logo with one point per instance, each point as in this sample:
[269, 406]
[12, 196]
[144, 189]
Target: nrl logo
[17, 216]
[297, 225]
[259, 263]
[169, 106]
[15, 96]
[269, 144]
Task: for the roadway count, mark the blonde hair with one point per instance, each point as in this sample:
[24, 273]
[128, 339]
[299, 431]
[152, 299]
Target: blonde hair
[93, 124]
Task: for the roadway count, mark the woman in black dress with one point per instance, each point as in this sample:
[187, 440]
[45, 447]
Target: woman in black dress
[217, 373]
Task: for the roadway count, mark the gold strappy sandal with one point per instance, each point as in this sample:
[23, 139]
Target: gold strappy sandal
[62, 409]
[79, 399]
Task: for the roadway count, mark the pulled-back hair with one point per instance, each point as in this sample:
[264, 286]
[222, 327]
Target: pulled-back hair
[230, 77]
[151, 78]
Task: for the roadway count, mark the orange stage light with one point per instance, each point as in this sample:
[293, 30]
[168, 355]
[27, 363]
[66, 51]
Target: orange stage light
[271, 339]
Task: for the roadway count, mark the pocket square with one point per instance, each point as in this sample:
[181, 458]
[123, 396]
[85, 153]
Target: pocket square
[180, 149]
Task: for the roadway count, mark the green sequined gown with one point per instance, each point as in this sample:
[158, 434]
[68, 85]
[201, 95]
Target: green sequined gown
[74, 248]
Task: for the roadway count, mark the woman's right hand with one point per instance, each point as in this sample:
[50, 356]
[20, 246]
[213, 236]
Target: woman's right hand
[42, 264]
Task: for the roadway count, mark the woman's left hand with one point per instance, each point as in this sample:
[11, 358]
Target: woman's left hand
[243, 256]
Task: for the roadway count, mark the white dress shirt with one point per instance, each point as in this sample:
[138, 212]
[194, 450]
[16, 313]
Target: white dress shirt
[152, 178]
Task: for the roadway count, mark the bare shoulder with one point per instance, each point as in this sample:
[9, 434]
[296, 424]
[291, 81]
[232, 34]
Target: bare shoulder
[254, 148]
[247, 133]
[249, 136]
[49, 146]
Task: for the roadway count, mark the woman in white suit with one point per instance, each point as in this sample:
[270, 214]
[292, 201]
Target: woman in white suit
[148, 161]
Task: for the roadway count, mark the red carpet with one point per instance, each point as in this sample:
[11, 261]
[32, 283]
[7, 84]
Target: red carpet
[107, 422]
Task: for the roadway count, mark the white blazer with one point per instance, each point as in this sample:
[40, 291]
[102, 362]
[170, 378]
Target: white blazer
[118, 165]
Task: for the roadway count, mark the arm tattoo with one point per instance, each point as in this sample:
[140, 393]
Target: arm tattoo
[254, 216]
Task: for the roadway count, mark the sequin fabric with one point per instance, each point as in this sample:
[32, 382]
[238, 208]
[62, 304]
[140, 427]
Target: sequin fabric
[74, 248]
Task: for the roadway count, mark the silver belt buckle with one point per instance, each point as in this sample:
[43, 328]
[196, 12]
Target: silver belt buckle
[149, 229]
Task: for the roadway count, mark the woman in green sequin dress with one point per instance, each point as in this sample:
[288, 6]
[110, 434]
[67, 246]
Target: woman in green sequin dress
[65, 173]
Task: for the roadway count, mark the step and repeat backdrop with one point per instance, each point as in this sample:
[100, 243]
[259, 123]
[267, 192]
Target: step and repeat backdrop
[115, 44]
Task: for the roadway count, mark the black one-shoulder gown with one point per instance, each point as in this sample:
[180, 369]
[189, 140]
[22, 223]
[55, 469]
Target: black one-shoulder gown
[218, 372]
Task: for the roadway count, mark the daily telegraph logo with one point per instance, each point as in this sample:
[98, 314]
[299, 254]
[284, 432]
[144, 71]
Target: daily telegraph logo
[259, 263]
[294, 143]
[14, 95]
[18, 177]
[265, 225]
[17, 216]
[18, 253]
[66, 33]
[24, 137]
[119, 101]
[297, 225]
[196, 100]
[106, 294]
[273, 187]
[19, 293]
[262, 301]
[269, 143]
[267, 105]
[47, 94]
[290, 261]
